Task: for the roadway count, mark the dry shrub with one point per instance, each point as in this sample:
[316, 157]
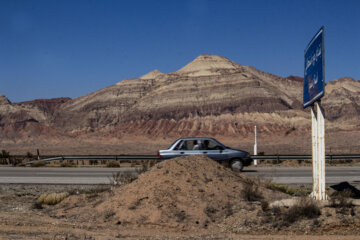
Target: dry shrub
[68, 164]
[90, 191]
[109, 213]
[250, 192]
[38, 164]
[52, 198]
[279, 217]
[288, 190]
[304, 208]
[342, 201]
[264, 205]
[121, 178]
[113, 164]
[93, 162]
[228, 209]
[30, 155]
[37, 205]
[180, 216]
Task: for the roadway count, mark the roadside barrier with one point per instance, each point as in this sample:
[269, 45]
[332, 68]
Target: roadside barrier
[154, 157]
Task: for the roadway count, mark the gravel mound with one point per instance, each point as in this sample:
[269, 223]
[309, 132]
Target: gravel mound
[182, 193]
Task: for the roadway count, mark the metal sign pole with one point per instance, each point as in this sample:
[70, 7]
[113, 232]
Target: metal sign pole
[255, 147]
[318, 152]
[321, 151]
[314, 133]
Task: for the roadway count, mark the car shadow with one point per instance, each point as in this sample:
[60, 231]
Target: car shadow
[249, 171]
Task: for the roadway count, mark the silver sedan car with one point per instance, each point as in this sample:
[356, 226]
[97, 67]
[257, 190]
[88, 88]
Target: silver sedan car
[236, 159]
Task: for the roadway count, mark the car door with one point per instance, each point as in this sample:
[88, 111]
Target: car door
[213, 150]
[188, 146]
[179, 149]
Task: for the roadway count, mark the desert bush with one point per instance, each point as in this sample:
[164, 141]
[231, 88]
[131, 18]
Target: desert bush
[145, 166]
[109, 213]
[93, 162]
[38, 164]
[68, 164]
[342, 200]
[29, 155]
[341, 161]
[52, 198]
[37, 205]
[228, 209]
[264, 205]
[250, 192]
[304, 208]
[180, 216]
[4, 154]
[91, 191]
[287, 189]
[121, 178]
[113, 164]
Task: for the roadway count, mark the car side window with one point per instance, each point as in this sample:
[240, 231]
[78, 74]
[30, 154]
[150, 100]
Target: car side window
[189, 145]
[211, 145]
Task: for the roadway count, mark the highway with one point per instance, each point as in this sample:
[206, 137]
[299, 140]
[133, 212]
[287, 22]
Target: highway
[91, 175]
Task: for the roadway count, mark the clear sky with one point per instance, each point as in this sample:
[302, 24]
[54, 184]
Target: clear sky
[59, 48]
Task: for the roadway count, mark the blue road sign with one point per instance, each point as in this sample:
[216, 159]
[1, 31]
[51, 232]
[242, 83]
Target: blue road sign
[314, 73]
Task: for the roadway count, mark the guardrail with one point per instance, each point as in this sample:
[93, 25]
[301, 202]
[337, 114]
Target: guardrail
[302, 157]
[105, 157]
[154, 157]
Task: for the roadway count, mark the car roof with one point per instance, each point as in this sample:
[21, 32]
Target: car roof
[197, 138]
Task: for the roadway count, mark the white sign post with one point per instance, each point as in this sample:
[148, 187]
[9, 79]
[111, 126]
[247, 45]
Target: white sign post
[318, 152]
[314, 77]
[255, 147]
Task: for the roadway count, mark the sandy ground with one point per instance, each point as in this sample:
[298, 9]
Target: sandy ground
[189, 198]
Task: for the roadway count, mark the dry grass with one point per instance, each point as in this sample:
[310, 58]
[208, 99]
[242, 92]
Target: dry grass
[113, 164]
[342, 201]
[38, 164]
[68, 164]
[121, 178]
[304, 208]
[52, 198]
[279, 217]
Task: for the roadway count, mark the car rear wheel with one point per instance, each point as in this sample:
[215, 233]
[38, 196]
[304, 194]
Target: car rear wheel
[237, 165]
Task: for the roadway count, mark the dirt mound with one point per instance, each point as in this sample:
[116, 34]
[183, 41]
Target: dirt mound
[183, 193]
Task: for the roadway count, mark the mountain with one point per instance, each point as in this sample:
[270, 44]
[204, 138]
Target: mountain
[229, 88]
[210, 96]
[342, 100]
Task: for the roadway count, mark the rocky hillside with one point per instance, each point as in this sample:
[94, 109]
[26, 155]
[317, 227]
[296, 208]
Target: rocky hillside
[211, 95]
[342, 100]
[208, 86]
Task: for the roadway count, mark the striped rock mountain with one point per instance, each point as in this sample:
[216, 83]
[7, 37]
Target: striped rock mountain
[211, 96]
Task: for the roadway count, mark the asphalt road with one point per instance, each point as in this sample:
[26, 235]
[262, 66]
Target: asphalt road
[280, 175]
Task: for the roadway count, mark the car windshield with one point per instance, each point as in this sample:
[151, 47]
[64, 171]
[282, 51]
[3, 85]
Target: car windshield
[172, 144]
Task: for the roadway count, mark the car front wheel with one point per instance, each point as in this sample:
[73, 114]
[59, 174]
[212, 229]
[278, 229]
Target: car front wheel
[237, 165]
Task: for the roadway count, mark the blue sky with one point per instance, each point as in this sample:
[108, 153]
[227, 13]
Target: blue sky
[70, 48]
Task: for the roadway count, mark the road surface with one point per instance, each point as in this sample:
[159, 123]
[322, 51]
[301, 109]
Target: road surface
[280, 175]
